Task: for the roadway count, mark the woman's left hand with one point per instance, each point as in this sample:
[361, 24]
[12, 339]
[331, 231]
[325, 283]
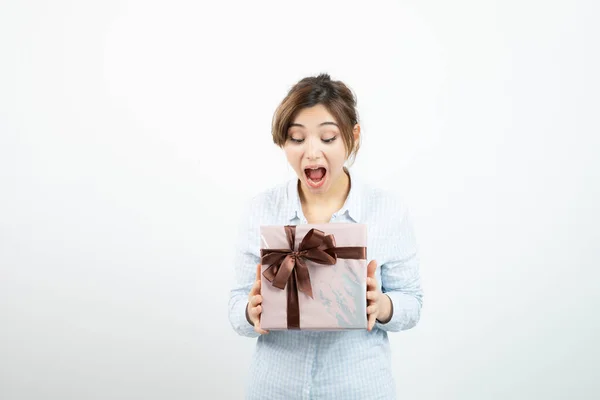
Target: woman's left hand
[379, 305]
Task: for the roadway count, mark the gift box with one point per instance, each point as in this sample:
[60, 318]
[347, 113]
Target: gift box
[314, 276]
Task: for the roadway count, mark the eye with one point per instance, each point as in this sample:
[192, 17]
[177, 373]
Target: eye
[329, 140]
[297, 140]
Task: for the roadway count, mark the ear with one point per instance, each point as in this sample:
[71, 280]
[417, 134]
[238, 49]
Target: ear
[356, 132]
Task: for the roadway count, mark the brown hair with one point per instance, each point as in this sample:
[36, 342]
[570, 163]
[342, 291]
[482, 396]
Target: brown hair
[310, 91]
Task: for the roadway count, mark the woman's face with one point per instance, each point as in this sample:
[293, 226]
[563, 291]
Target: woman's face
[315, 149]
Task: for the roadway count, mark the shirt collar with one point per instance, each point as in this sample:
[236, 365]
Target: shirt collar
[352, 205]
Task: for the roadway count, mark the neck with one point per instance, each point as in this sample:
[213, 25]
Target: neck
[333, 198]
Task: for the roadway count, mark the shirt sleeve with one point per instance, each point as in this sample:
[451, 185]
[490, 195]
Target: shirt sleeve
[400, 278]
[245, 261]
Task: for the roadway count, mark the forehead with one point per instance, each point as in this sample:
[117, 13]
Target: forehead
[313, 116]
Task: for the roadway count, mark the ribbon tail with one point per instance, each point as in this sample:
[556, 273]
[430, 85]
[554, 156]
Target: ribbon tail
[293, 306]
[303, 278]
[284, 273]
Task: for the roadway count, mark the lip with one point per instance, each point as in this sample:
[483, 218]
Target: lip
[313, 166]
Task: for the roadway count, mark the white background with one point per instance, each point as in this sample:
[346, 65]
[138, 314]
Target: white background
[132, 132]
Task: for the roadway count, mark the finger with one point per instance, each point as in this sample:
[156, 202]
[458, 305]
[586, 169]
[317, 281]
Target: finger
[372, 319]
[371, 268]
[255, 289]
[373, 295]
[256, 321]
[255, 300]
[257, 329]
[255, 311]
[372, 309]
[372, 284]
[258, 267]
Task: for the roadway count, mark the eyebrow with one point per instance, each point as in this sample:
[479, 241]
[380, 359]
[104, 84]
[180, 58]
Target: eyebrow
[321, 124]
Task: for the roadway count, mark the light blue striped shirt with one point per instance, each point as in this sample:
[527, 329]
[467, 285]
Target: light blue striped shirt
[343, 365]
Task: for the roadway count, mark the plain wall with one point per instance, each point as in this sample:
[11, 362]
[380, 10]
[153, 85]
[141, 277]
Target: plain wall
[132, 132]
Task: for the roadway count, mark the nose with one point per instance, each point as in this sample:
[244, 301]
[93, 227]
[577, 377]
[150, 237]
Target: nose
[313, 149]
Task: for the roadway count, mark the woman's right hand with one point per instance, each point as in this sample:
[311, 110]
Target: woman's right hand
[254, 307]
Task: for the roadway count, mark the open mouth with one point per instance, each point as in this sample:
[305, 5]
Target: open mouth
[315, 176]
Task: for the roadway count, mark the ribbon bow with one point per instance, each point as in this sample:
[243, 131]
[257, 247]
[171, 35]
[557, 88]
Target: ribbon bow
[315, 246]
[288, 269]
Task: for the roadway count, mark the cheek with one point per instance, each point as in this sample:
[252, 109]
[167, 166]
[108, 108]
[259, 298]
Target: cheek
[292, 154]
[338, 153]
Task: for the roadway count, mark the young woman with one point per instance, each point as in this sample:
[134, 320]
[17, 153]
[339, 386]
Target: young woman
[317, 126]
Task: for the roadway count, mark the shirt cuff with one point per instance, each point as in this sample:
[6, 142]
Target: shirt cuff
[405, 315]
[239, 319]
[248, 316]
[391, 312]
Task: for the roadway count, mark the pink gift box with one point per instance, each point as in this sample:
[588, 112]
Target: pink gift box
[327, 261]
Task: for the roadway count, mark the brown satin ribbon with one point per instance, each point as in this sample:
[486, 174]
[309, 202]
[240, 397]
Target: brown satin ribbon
[287, 267]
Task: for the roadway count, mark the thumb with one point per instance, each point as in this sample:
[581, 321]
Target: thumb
[371, 268]
[258, 271]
